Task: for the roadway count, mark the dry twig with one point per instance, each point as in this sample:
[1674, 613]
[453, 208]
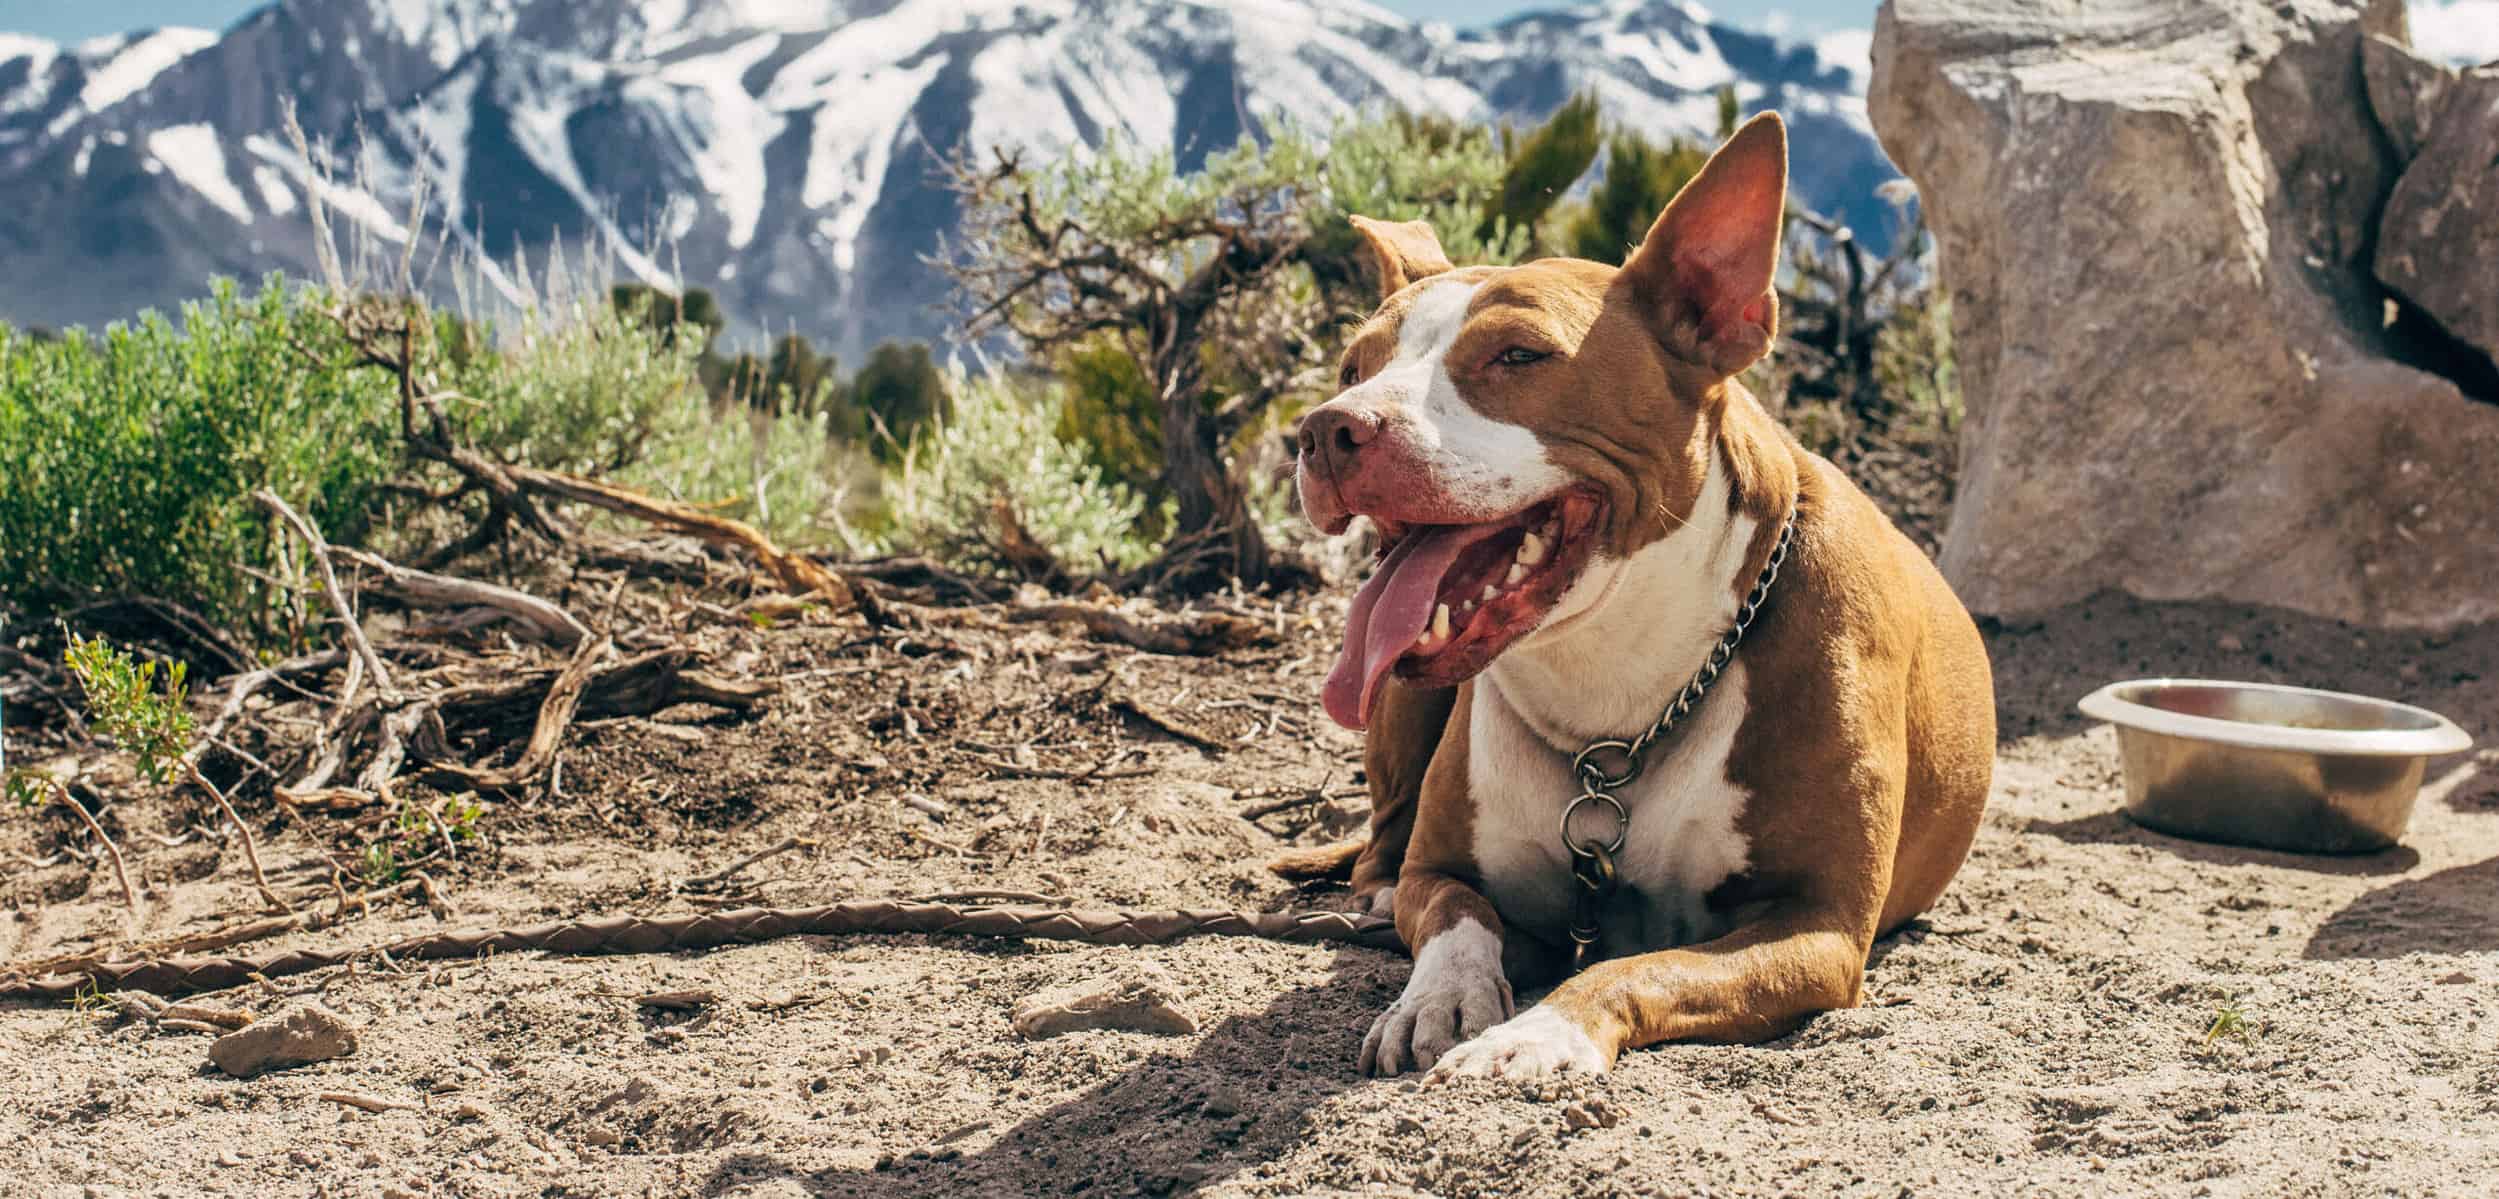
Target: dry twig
[725, 873]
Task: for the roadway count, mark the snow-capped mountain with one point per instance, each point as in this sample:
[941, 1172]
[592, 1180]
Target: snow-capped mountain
[784, 152]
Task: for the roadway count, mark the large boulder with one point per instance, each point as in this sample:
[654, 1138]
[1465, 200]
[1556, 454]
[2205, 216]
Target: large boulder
[2439, 242]
[2157, 223]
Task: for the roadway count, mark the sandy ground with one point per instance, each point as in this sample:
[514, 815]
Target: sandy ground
[2043, 1033]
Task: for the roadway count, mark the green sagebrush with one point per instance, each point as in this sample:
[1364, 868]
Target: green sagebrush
[127, 458]
[994, 477]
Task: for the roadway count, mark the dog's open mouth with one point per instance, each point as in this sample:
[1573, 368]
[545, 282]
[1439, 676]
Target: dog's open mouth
[1447, 599]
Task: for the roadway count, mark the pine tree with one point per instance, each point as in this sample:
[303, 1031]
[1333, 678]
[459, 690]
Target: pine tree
[1640, 177]
[798, 373]
[897, 393]
[1543, 165]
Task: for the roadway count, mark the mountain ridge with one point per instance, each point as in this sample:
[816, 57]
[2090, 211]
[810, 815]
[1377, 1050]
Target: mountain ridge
[785, 151]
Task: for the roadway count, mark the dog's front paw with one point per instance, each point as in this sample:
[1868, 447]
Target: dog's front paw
[1381, 902]
[1456, 992]
[1535, 1044]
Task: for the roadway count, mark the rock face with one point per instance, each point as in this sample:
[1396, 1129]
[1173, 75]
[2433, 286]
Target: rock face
[2439, 242]
[2158, 222]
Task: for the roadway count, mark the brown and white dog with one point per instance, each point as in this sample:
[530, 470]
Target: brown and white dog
[1575, 495]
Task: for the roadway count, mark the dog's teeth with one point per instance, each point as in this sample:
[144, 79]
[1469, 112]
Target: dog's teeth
[1490, 594]
[1518, 573]
[1532, 550]
[1440, 622]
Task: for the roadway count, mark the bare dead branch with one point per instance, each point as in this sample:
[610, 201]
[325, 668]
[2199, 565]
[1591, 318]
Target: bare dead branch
[552, 624]
[321, 557]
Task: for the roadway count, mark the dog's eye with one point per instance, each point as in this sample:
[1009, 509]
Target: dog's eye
[1520, 356]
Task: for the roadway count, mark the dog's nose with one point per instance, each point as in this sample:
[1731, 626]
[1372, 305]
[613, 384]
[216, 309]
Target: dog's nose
[1339, 430]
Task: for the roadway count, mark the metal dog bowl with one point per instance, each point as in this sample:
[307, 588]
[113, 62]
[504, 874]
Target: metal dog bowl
[2276, 767]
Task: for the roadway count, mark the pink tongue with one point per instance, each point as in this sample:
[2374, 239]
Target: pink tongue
[1388, 614]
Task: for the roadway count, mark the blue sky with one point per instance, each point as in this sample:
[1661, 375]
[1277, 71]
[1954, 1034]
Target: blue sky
[78, 20]
[75, 20]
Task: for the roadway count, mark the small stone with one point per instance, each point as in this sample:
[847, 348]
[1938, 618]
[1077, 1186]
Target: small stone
[1591, 1113]
[2230, 644]
[601, 1135]
[227, 1158]
[1138, 1000]
[1222, 1101]
[304, 1035]
[1407, 1126]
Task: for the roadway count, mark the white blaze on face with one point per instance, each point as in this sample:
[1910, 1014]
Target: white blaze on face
[1487, 468]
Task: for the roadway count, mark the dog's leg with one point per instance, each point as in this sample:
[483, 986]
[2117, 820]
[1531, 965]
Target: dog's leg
[1756, 983]
[1406, 728]
[1457, 989]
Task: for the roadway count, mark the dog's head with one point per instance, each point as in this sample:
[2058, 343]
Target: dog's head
[1505, 427]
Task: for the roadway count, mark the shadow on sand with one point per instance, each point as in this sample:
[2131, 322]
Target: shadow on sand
[1241, 1096]
[2452, 911]
[2113, 828]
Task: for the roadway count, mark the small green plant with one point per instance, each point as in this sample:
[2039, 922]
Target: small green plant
[461, 816]
[90, 1002]
[414, 833]
[123, 699]
[2230, 1021]
[380, 865]
[155, 728]
[22, 789]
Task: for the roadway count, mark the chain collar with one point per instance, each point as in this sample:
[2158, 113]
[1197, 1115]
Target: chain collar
[1592, 862]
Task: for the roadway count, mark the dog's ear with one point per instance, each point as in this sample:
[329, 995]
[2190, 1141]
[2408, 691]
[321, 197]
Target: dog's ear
[1404, 251]
[1706, 269]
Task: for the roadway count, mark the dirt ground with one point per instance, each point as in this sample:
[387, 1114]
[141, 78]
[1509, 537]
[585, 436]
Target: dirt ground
[2044, 1032]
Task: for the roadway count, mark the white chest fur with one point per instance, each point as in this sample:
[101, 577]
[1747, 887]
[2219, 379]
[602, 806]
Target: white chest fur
[1617, 649]
[1684, 838]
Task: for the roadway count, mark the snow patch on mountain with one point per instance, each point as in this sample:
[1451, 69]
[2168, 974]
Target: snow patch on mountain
[40, 53]
[194, 156]
[132, 62]
[275, 195]
[1852, 50]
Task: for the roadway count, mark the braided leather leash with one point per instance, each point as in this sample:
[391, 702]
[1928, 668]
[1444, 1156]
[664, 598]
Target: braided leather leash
[743, 926]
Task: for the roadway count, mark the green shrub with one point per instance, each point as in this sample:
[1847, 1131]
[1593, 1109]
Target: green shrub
[898, 393]
[577, 387]
[784, 473]
[1109, 410]
[797, 379]
[130, 457]
[1913, 359]
[1544, 163]
[992, 480]
[596, 389]
[127, 459]
[1640, 177]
